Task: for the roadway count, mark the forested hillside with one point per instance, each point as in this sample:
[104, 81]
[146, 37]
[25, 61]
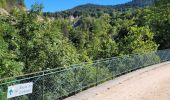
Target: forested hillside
[87, 10]
[97, 10]
[29, 44]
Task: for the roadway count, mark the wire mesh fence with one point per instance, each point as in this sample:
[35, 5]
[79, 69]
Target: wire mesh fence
[56, 84]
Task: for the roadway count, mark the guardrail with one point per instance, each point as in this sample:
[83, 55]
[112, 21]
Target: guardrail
[62, 82]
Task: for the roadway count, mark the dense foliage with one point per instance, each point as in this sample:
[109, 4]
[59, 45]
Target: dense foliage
[31, 42]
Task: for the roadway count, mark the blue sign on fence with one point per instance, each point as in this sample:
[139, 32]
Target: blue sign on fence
[20, 89]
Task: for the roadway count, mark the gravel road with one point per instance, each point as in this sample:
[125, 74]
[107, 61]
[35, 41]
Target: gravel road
[151, 83]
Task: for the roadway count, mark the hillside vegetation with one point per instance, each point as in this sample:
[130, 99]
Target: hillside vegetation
[9, 4]
[29, 44]
[95, 10]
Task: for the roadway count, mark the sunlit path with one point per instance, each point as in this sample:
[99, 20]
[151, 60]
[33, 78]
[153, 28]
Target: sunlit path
[151, 83]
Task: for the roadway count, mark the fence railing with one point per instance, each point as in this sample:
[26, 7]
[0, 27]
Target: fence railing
[62, 82]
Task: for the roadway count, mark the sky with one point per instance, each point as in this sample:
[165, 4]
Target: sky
[61, 5]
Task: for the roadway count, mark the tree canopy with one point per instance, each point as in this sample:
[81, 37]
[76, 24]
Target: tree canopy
[32, 42]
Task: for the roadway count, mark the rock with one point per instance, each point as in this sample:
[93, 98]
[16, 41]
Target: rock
[3, 12]
[40, 19]
[142, 3]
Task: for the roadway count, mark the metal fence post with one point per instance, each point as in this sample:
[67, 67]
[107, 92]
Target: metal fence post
[43, 87]
[97, 74]
[75, 81]
[112, 69]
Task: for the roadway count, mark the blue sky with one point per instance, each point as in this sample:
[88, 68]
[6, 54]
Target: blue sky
[60, 5]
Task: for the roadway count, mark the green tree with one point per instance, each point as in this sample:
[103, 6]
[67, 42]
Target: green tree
[9, 61]
[137, 40]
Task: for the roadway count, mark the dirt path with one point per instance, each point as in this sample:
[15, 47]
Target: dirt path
[151, 83]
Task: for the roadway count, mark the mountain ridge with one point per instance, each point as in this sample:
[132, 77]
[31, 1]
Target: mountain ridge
[96, 10]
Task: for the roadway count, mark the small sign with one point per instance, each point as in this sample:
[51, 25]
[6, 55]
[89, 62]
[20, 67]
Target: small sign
[20, 89]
